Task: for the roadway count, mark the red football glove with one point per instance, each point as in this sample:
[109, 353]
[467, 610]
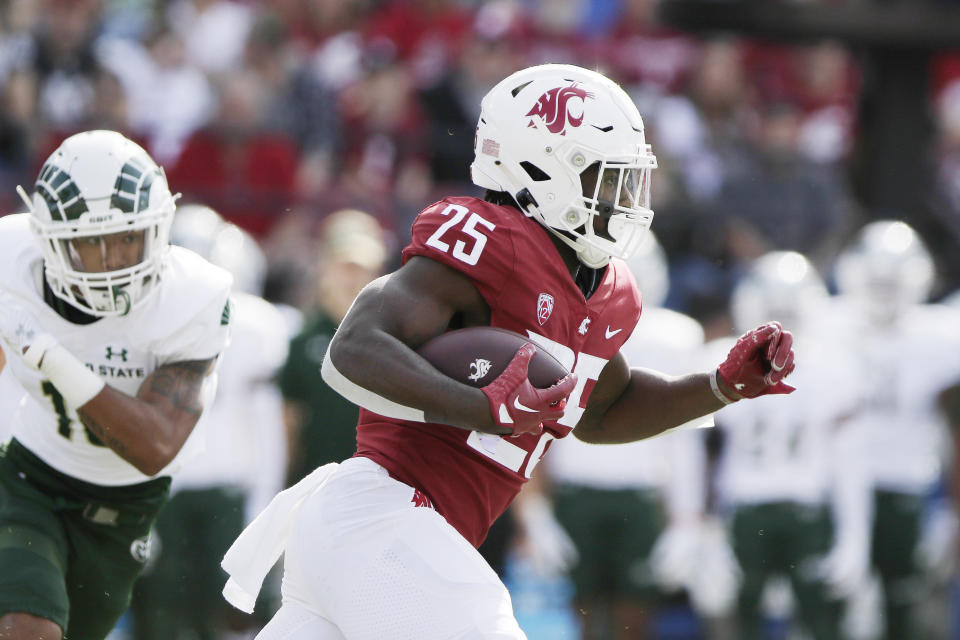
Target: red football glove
[757, 364]
[518, 405]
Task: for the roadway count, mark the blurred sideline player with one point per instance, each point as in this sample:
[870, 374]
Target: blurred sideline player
[634, 511]
[244, 461]
[383, 545]
[791, 477]
[114, 336]
[322, 423]
[903, 347]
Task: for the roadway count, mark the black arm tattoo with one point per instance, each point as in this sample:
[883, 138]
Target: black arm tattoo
[101, 432]
[182, 383]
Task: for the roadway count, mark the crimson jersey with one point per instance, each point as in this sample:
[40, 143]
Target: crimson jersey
[472, 477]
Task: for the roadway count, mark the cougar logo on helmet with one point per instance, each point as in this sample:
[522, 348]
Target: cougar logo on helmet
[554, 109]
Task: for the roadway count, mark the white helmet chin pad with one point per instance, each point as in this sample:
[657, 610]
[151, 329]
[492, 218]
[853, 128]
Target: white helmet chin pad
[96, 184]
[541, 129]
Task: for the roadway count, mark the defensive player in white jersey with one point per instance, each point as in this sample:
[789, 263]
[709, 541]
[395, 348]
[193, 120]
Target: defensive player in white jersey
[244, 462]
[114, 337]
[790, 476]
[907, 353]
[384, 544]
[652, 489]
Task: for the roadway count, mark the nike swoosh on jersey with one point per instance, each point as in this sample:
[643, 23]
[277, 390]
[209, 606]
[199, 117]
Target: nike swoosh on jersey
[609, 334]
[505, 415]
[518, 405]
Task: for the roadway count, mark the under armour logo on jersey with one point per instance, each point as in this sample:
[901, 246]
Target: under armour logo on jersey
[544, 307]
[479, 368]
[122, 354]
[554, 108]
[584, 326]
[420, 499]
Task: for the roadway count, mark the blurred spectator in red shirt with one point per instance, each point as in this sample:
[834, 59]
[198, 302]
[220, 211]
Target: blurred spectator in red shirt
[299, 104]
[649, 58]
[426, 33]
[384, 142]
[235, 165]
[821, 80]
[310, 23]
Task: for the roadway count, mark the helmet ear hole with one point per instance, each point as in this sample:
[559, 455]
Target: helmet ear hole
[536, 173]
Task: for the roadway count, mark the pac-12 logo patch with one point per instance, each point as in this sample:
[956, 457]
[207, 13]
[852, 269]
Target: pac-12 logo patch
[544, 307]
[556, 109]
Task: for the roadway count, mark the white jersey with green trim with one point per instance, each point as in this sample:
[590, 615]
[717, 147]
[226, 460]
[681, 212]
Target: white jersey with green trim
[780, 447]
[185, 318]
[904, 367]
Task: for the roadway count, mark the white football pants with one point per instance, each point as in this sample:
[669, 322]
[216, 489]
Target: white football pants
[363, 562]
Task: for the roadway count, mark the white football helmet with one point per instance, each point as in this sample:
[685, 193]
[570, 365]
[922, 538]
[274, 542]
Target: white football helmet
[782, 286]
[543, 127]
[202, 230]
[886, 269]
[95, 184]
[195, 227]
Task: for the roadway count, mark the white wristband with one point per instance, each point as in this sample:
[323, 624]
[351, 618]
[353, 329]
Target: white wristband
[715, 387]
[38, 347]
[77, 384]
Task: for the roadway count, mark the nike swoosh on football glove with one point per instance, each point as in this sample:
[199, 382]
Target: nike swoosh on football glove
[518, 405]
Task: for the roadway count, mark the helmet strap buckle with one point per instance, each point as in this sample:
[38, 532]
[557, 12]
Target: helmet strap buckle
[526, 200]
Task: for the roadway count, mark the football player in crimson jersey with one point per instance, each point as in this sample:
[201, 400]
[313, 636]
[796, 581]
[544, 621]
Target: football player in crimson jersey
[383, 545]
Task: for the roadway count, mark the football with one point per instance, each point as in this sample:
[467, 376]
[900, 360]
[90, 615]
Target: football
[477, 355]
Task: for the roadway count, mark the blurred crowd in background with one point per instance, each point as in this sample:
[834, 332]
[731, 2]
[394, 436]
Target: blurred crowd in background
[306, 135]
[278, 112]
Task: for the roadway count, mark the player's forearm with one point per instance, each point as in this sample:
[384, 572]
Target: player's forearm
[651, 403]
[136, 431]
[381, 367]
[148, 430]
